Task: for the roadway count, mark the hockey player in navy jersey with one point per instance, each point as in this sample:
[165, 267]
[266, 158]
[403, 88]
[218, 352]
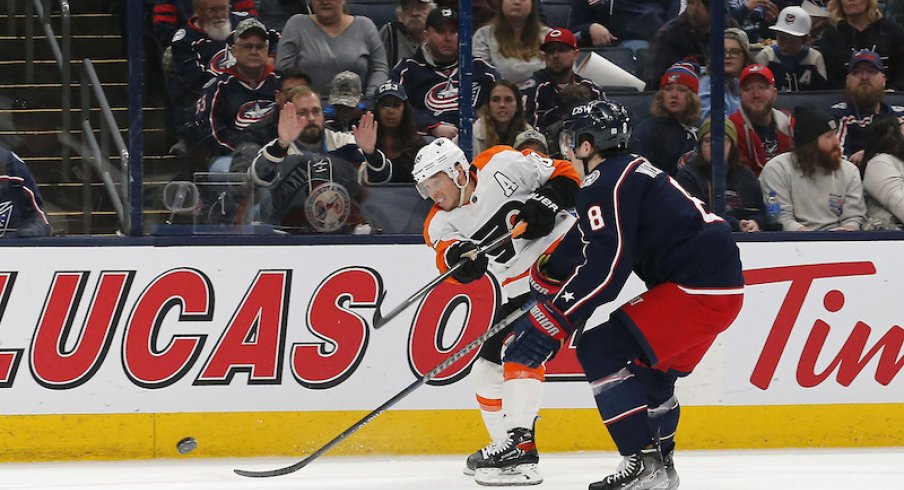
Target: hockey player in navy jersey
[632, 217]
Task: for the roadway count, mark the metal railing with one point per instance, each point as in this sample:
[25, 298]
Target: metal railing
[63, 56]
[95, 153]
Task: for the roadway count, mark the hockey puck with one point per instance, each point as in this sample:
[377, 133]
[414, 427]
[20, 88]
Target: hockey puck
[186, 445]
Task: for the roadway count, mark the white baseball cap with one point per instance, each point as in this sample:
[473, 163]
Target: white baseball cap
[793, 20]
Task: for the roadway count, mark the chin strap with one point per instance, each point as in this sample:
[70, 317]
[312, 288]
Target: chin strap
[461, 189]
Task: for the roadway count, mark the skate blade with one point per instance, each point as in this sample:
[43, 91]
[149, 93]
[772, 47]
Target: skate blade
[525, 474]
[468, 471]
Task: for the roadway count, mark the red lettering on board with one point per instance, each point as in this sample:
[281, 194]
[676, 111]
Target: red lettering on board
[9, 358]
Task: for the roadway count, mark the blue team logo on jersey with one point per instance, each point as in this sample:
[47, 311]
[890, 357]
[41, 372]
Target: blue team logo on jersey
[252, 112]
[591, 178]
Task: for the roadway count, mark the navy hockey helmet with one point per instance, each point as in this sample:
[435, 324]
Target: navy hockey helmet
[606, 123]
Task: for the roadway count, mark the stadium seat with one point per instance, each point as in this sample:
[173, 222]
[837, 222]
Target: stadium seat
[555, 13]
[379, 12]
[395, 208]
[623, 57]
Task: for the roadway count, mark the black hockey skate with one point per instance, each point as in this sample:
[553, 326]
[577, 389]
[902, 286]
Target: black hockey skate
[512, 461]
[641, 471]
[670, 470]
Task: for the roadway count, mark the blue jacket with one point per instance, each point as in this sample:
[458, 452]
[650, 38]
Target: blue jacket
[663, 142]
[21, 213]
[625, 19]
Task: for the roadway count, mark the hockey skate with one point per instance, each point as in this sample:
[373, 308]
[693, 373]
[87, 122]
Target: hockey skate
[670, 470]
[641, 471]
[512, 461]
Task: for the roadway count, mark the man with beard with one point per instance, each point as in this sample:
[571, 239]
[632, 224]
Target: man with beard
[763, 131]
[402, 38]
[314, 175]
[431, 78]
[865, 91]
[560, 50]
[199, 53]
[816, 189]
[170, 15]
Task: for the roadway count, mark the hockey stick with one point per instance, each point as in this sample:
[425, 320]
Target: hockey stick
[389, 403]
[518, 230]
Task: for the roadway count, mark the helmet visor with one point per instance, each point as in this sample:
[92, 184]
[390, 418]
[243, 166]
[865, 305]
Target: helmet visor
[566, 144]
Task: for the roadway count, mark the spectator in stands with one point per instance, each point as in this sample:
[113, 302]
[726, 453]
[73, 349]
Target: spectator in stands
[764, 132]
[397, 136]
[670, 130]
[501, 119]
[531, 139]
[755, 16]
[628, 24]
[865, 93]
[345, 107]
[560, 51]
[21, 206]
[796, 65]
[402, 38]
[511, 42]
[857, 25]
[684, 38]
[816, 189]
[430, 78]
[199, 54]
[275, 13]
[242, 95]
[259, 133]
[170, 15]
[330, 41]
[737, 57]
[883, 178]
[307, 167]
[744, 207]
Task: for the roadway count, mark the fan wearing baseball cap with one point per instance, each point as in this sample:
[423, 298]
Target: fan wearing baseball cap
[669, 131]
[816, 188]
[865, 97]
[560, 51]
[796, 65]
[763, 131]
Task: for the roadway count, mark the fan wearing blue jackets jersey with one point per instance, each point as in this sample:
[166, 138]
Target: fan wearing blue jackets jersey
[632, 217]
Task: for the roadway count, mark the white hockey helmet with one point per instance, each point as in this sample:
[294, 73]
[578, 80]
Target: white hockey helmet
[441, 155]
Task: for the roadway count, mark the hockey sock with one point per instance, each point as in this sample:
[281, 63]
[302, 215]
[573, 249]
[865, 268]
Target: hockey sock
[487, 379]
[663, 408]
[522, 393]
[604, 353]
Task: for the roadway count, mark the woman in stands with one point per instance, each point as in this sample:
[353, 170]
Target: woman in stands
[744, 207]
[501, 118]
[883, 178]
[856, 25]
[670, 130]
[511, 42]
[737, 57]
[330, 41]
[397, 136]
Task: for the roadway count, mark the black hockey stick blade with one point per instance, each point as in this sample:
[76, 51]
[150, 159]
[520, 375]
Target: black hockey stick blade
[380, 320]
[389, 403]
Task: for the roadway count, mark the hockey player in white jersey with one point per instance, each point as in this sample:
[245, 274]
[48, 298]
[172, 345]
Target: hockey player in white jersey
[475, 203]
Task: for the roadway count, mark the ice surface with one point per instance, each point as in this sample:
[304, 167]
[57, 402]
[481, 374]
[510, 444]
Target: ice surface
[797, 469]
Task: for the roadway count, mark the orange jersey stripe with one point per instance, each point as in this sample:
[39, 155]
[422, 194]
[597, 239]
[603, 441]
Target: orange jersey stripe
[513, 370]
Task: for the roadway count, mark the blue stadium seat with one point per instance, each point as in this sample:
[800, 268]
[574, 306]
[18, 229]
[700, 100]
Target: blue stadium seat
[380, 12]
[395, 208]
[555, 13]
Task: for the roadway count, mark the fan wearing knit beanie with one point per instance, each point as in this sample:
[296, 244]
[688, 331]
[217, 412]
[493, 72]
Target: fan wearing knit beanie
[668, 133]
[816, 188]
[744, 208]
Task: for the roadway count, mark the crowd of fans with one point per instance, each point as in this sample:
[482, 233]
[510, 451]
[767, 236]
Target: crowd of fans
[310, 100]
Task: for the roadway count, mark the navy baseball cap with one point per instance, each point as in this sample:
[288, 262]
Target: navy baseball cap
[438, 16]
[866, 56]
[391, 88]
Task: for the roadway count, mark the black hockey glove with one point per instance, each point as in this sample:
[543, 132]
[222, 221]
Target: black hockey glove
[542, 206]
[472, 269]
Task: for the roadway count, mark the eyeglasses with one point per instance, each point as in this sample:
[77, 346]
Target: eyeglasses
[733, 53]
[252, 47]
